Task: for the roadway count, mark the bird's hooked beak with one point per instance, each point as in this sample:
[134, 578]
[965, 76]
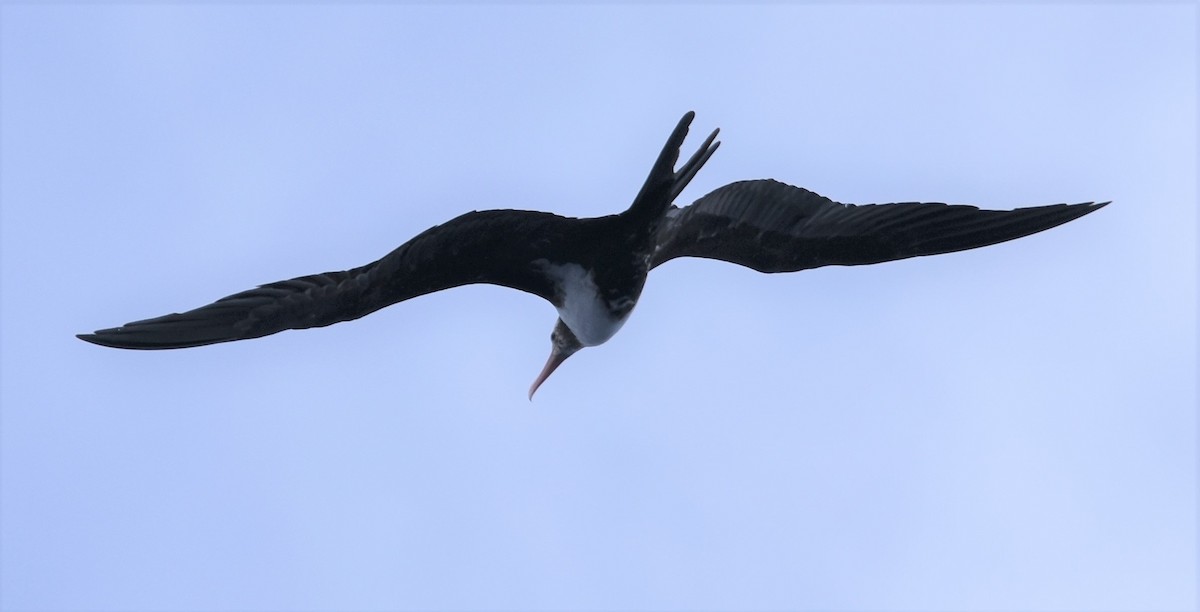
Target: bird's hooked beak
[563, 344]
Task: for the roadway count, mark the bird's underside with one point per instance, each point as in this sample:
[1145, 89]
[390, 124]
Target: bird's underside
[765, 225]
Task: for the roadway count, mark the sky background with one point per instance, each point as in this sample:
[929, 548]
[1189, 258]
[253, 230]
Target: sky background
[1007, 428]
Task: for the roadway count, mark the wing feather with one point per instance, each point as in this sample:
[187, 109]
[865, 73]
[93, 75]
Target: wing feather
[459, 252]
[774, 227]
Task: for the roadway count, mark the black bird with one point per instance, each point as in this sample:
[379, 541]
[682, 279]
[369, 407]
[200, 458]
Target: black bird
[592, 270]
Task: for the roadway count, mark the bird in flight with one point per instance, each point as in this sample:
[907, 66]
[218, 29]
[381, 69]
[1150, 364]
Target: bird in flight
[593, 270]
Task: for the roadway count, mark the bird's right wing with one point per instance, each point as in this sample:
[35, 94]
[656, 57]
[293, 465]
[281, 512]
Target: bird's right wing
[497, 247]
[774, 227]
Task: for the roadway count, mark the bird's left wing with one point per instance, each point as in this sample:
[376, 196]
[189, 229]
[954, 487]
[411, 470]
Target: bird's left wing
[774, 227]
[499, 247]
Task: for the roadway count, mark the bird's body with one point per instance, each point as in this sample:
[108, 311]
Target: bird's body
[593, 270]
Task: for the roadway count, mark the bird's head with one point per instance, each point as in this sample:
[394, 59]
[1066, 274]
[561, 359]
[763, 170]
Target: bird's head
[563, 344]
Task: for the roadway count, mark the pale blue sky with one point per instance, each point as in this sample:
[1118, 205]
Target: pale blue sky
[1007, 428]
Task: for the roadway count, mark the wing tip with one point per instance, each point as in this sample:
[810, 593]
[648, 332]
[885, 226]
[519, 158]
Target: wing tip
[1085, 208]
[106, 337]
[138, 339]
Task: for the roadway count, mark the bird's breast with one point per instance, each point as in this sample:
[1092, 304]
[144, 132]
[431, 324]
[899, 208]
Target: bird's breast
[592, 314]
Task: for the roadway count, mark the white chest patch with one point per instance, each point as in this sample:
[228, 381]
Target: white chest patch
[583, 308]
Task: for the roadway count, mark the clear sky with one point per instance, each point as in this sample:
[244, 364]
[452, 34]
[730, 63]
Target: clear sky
[1007, 428]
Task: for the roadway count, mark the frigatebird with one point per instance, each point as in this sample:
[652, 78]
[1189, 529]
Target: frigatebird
[592, 270]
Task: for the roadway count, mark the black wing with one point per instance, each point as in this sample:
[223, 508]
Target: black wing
[774, 227]
[499, 247]
[496, 247]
